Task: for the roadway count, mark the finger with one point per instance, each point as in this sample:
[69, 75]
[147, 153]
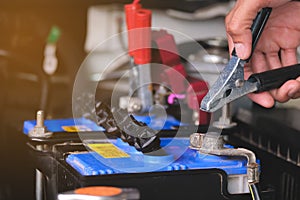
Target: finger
[238, 24]
[288, 57]
[270, 48]
[247, 70]
[240, 40]
[273, 60]
[287, 91]
[230, 44]
[296, 95]
[259, 62]
[264, 99]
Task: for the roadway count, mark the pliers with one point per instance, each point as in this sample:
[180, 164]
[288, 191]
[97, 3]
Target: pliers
[231, 85]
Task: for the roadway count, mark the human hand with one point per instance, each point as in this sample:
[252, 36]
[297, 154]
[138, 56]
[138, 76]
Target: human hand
[276, 47]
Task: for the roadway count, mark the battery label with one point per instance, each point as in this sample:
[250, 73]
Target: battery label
[77, 128]
[108, 150]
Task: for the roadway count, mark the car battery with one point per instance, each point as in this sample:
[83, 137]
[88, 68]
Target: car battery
[174, 172]
[117, 157]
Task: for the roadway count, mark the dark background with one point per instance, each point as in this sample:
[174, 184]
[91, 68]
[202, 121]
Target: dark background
[24, 27]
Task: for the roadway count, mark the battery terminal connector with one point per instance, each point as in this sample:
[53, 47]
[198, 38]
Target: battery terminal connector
[40, 130]
[213, 143]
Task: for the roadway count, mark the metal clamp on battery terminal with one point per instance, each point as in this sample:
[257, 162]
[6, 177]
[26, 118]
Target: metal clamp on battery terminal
[40, 130]
[214, 144]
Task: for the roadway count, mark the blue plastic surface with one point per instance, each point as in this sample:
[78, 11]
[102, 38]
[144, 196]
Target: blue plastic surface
[178, 157]
[56, 125]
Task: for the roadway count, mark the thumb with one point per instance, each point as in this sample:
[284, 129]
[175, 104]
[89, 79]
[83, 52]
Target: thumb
[238, 23]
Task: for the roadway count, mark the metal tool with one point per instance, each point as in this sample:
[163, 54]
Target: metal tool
[212, 143]
[231, 84]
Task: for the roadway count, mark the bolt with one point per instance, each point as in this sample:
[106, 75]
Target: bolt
[239, 83]
[39, 131]
[40, 118]
[225, 119]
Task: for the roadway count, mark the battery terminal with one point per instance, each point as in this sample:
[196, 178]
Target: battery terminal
[213, 144]
[40, 130]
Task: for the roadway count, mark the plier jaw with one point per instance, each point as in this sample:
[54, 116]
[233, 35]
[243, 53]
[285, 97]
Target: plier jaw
[229, 86]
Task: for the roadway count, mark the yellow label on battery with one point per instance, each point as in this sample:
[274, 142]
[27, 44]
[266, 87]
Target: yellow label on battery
[108, 150]
[76, 128]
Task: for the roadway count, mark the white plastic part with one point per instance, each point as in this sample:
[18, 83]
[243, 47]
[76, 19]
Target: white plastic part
[103, 22]
[238, 184]
[50, 61]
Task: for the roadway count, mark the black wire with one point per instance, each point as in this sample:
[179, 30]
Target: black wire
[255, 192]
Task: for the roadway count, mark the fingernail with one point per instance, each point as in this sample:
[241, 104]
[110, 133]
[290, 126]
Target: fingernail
[240, 50]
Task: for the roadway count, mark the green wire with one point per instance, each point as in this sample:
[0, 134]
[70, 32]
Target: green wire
[54, 35]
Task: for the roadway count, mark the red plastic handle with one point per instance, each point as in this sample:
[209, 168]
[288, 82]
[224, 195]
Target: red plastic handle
[130, 11]
[139, 32]
[142, 40]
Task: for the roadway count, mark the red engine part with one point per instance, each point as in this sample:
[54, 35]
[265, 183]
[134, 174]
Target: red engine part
[176, 78]
[167, 47]
[195, 93]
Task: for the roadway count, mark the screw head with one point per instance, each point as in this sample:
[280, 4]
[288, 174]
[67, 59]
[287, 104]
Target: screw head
[239, 83]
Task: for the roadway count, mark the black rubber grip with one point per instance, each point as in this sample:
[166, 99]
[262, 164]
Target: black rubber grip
[258, 27]
[273, 79]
